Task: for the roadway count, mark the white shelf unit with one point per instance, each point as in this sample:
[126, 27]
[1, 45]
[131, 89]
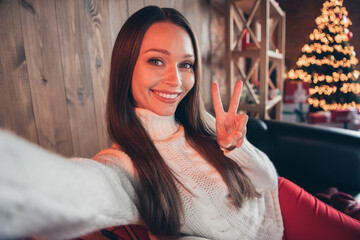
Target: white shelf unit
[264, 22]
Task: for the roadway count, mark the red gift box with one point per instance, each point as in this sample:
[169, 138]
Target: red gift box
[348, 119]
[296, 91]
[319, 117]
[345, 115]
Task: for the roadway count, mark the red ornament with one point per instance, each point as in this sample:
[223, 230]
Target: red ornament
[350, 35]
[245, 40]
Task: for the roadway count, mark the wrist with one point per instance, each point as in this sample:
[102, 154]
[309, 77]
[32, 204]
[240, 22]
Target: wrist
[226, 150]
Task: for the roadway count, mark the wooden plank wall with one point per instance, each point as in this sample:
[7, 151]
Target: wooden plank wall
[54, 64]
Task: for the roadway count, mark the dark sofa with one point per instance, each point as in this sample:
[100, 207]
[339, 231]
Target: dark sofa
[316, 158]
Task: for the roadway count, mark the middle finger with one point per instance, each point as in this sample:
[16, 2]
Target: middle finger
[235, 99]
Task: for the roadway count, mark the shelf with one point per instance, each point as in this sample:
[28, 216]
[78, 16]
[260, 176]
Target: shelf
[246, 53]
[262, 19]
[275, 8]
[275, 56]
[255, 53]
[271, 103]
[247, 5]
[253, 107]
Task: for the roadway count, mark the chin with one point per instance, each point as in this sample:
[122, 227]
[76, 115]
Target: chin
[163, 112]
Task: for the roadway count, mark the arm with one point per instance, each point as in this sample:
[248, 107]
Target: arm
[256, 165]
[46, 195]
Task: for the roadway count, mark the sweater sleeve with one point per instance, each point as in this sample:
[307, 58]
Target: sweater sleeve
[46, 195]
[256, 165]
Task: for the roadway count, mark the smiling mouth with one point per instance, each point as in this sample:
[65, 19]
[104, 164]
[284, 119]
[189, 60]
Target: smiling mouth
[168, 96]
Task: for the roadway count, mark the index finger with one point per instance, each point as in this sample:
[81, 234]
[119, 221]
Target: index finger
[218, 106]
[235, 99]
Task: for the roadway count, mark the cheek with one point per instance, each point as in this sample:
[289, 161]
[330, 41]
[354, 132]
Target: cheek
[136, 84]
[189, 82]
[140, 79]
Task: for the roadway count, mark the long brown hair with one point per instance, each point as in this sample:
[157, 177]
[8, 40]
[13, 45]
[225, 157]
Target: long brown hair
[160, 204]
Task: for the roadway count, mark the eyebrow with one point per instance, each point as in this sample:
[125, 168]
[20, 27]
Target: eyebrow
[166, 52]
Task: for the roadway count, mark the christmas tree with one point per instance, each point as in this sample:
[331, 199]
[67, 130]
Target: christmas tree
[328, 62]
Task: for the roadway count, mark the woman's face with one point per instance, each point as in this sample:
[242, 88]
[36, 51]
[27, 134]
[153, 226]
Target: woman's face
[163, 72]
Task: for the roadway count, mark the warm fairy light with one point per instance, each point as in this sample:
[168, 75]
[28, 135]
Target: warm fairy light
[356, 74]
[333, 106]
[320, 48]
[315, 78]
[329, 44]
[327, 90]
[334, 18]
[350, 87]
[306, 62]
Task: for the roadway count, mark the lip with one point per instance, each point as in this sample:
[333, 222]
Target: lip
[164, 99]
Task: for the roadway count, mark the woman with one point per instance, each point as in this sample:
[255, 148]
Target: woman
[159, 104]
[171, 168]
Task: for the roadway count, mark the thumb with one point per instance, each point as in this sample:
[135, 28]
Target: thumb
[231, 140]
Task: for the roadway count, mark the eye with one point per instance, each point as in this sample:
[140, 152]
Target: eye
[155, 61]
[187, 65]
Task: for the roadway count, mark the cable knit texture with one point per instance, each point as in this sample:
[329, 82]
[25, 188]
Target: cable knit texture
[208, 209]
[208, 212]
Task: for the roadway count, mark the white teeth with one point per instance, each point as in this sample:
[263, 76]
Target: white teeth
[165, 95]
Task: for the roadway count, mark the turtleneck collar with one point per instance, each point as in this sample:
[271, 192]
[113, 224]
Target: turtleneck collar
[158, 127]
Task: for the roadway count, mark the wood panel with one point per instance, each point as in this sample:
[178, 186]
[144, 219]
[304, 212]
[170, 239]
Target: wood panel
[77, 76]
[16, 111]
[117, 17]
[99, 50]
[45, 75]
[159, 3]
[54, 66]
[134, 6]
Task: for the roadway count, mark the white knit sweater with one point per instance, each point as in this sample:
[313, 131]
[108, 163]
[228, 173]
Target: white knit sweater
[46, 195]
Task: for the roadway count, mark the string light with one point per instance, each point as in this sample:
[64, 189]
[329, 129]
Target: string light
[333, 106]
[315, 78]
[327, 90]
[306, 62]
[350, 87]
[329, 47]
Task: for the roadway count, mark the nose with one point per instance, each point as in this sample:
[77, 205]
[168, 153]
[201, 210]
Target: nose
[173, 77]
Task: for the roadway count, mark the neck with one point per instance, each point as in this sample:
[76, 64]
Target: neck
[158, 127]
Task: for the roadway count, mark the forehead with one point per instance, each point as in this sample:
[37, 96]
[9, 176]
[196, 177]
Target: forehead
[165, 35]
